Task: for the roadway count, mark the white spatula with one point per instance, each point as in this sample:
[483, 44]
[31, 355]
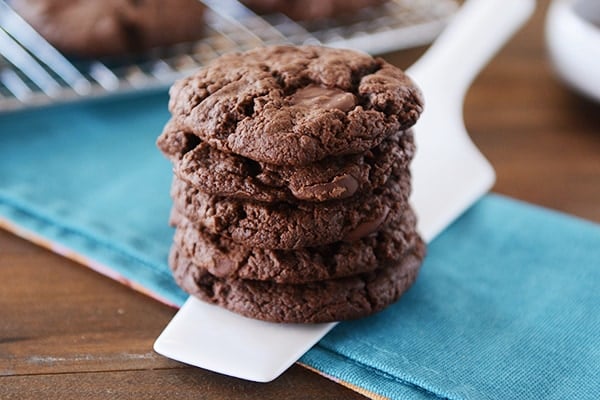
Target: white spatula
[449, 174]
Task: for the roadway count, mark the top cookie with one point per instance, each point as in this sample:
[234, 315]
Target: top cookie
[293, 105]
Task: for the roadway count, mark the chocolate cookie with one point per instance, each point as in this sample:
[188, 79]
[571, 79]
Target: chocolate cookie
[323, 301]
[221, 174]
[175, 143]
[113, 27]
[310, 9]
[224, 258]
[287, 105]
[291, 225]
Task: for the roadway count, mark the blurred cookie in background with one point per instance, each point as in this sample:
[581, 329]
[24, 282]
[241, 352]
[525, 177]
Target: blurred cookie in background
[303, 10]
[114, 27]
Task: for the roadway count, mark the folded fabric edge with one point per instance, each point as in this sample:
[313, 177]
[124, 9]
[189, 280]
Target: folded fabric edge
[358, 389]
[20, 211]
[375, 384]
[23, 226]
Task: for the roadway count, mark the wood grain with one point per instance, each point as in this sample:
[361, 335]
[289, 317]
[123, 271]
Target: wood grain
[67, 332]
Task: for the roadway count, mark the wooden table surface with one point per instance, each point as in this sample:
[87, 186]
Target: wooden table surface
[67, 332]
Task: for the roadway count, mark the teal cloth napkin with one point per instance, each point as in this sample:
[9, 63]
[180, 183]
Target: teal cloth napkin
[506, 305]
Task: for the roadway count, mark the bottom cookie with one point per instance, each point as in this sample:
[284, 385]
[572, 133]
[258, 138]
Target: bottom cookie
[323, 301]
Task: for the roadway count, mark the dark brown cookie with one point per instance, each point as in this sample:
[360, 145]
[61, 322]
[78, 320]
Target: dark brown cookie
[224, 258]
[221, 174]
[112, 27]
[291, 225]
[323, 301]
[175, 143]
[294, 105]
[310, 9]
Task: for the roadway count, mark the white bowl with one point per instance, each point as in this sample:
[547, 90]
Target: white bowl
[573, 40]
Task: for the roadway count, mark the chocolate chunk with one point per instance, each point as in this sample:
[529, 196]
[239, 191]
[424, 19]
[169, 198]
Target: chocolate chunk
[314, 96]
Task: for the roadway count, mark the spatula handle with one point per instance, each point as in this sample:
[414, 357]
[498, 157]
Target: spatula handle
[475, 34]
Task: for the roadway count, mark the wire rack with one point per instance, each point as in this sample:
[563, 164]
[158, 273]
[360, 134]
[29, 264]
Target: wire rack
[33, 73]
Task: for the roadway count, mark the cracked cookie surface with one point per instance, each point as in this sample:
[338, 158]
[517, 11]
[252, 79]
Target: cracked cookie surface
[294, 105]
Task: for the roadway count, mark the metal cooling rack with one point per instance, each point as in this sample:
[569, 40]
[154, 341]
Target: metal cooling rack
[34, 73]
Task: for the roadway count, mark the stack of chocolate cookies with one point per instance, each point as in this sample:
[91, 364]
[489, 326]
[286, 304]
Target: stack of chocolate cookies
[291, 183]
